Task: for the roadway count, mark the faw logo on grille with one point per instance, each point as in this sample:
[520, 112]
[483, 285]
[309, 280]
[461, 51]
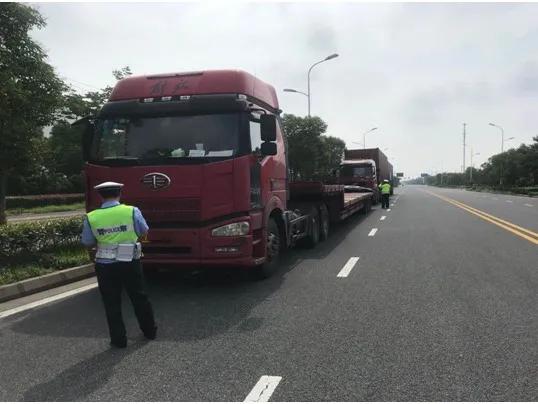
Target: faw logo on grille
[156, 181]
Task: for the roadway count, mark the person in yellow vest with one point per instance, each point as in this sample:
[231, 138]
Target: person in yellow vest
[384, 188]
[114, 229]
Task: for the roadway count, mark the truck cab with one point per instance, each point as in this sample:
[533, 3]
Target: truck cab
[361, 173]
[202, 155]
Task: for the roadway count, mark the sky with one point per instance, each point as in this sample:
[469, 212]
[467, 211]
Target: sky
[417, 71]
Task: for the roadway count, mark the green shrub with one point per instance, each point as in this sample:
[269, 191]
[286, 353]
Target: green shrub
[19, 239]
[31, 201]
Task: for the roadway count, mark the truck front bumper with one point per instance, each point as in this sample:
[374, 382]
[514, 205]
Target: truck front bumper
[196, 247]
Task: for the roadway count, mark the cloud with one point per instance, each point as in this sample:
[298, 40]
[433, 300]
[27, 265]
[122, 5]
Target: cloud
[525, 82]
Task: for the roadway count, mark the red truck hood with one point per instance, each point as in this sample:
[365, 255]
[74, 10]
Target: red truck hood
[196, 192]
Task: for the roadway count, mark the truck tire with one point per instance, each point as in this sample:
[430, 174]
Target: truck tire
[274, 249]
[324, 222]
[313, 238]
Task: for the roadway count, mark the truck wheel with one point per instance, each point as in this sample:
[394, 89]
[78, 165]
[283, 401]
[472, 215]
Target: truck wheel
[313, 238]
[274, 248]
[324, 223]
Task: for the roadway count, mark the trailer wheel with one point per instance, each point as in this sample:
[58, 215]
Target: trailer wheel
[313, 238]
[274, 248]
[324, 222]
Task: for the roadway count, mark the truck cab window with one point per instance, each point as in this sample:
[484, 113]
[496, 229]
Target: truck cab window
[168, 138]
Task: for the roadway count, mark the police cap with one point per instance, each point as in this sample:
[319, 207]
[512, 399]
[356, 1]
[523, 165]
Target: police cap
[108, 185]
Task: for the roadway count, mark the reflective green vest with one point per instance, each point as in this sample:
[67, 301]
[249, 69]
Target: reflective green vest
[113, 225]
[385, 188]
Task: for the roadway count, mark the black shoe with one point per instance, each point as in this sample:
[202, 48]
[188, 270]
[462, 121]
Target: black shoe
[119, 343]
[151, 334]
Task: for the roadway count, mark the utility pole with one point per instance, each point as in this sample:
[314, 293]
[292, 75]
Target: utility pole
[464, 134]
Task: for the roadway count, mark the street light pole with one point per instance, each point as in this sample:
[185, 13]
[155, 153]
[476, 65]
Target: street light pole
[364, 136]
[472, 165]
[502, 150]
[334, 55]
[307, 94]
[502, 135]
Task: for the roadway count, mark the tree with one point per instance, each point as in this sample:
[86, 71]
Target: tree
[311, 154]
[65, 141]
[332, 153]
[30, 91]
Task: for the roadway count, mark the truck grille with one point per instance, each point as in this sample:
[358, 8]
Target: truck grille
[169, 210]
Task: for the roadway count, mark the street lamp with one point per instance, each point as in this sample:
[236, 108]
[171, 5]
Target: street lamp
[308, 93]
[502, 135]
[364, 136]
[502, 149]
[291, 90]
[472, 166]
[510, 138]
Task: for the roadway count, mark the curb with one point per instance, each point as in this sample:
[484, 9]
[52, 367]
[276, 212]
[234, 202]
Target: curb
[44, 282]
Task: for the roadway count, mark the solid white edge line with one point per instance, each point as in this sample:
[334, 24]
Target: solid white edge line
[382, 217]
[344, 272]
[46, 300]
[372, 232]
[263, 390]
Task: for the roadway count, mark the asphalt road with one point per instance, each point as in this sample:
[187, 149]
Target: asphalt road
[441, 305]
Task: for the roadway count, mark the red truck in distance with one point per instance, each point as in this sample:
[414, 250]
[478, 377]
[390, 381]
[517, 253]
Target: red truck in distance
[366, 168]
[202, 154]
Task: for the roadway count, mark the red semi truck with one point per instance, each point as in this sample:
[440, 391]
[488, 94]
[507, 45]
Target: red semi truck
[366, 168]
[202, 154]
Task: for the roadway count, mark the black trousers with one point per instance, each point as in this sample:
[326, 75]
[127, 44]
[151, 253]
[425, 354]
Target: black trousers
[385, 201]
[112, 278]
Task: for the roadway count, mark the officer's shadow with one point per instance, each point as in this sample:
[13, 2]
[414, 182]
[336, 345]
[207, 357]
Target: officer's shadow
[79, 381]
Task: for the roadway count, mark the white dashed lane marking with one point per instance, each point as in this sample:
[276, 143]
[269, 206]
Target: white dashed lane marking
[344, 272]
[382, 217]
[372, 232]
[509, 202]
[529, 205]
[263, 390]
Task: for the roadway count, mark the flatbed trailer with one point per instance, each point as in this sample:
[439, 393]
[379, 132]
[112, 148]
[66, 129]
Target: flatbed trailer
[314, 206]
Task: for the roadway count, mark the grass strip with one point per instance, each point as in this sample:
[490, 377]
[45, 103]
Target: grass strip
[46, 209]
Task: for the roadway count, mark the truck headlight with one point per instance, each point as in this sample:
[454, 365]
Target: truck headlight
[232, 229]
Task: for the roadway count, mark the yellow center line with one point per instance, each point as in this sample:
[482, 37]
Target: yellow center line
[512, 228]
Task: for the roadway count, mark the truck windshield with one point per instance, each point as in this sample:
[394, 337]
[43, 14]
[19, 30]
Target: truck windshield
[357, 171]
[154, 139]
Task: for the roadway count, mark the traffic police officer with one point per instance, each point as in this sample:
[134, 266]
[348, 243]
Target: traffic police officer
[114, 229]
[384, 187]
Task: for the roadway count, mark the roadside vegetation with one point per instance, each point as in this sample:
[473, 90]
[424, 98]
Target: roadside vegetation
[46, 209]
[514, 171]
[32, 249]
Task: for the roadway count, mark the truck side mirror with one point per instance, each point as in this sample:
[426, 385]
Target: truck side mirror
[268, 127]
[268, 149]
[86, 127]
